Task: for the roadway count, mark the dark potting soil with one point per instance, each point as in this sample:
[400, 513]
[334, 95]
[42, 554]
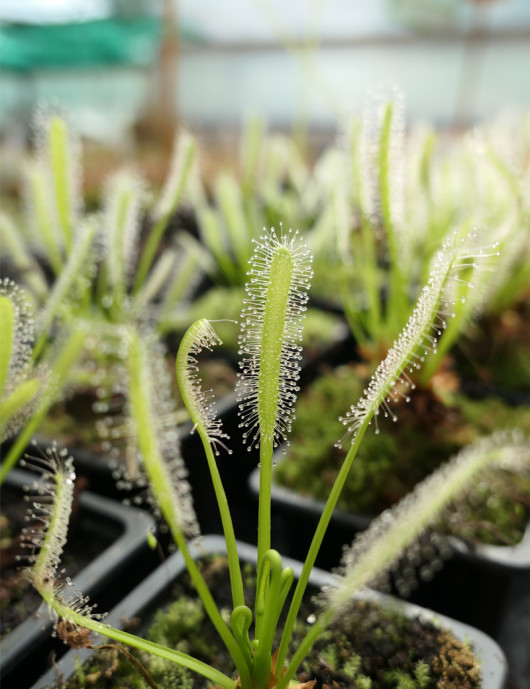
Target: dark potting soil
[366, 647]
[18, 599]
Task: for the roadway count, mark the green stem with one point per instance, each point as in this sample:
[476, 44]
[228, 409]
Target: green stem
[236, 580]
[190, 391]
[268, 594]
[264, 509]
[315, 545]
[304, 648]
[238, 654]
[142, 644]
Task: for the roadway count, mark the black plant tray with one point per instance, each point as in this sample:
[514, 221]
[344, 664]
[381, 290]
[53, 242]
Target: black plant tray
[123, 561]
[153, 593]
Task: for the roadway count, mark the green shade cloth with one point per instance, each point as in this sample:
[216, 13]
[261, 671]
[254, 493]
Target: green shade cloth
[83, 44]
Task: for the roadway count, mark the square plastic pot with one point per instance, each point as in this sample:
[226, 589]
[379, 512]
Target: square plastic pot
[154, 591]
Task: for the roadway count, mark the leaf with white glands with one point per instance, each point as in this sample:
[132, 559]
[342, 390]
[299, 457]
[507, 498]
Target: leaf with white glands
[21, 383]
[51, 504]
[155, 435]
[199, 402]
[397, 531]
[124, 193]
[271, 331]
[16, 335]
[420, 335]
[58, 160]
[50, 497]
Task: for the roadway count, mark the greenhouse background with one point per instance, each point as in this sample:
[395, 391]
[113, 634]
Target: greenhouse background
[456, 61]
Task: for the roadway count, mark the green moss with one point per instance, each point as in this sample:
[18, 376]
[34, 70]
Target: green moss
[390, 464]
[359, 650]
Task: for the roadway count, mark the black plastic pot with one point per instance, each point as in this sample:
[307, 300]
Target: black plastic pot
[123, 561]
[486, 586]
[153, 594]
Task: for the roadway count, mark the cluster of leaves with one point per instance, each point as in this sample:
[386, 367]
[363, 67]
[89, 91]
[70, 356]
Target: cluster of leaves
[114, 292]
[272, 320]
[87, 283]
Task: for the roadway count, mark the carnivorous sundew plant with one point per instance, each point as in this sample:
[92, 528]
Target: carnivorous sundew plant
[272, 319]
[84, 272]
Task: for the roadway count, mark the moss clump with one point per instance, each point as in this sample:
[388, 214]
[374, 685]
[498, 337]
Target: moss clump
[371, 648]
[429, 430]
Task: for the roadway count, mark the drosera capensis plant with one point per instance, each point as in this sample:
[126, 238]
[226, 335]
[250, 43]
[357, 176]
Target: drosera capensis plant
[279, 275]
[120, 255]
[389, 198]
[108, 272]
[54, 339]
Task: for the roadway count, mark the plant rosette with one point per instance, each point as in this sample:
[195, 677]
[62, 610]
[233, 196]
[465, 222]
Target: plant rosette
[271, 326]
[151, 602]
[109, 540]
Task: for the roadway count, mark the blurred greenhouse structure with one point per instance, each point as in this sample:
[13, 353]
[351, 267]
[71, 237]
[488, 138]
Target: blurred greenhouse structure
[457, 61]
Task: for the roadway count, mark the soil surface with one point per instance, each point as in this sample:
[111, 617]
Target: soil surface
[366, 647]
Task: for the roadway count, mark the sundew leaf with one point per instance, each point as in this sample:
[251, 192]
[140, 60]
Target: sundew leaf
[121, 226]
[73, 281]
[271, 331]
[15, 404]
[51, 506]
[58, 173]
[199, 403]
[16, 335]
[155, 436]
[15, 245]
[419, 338]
